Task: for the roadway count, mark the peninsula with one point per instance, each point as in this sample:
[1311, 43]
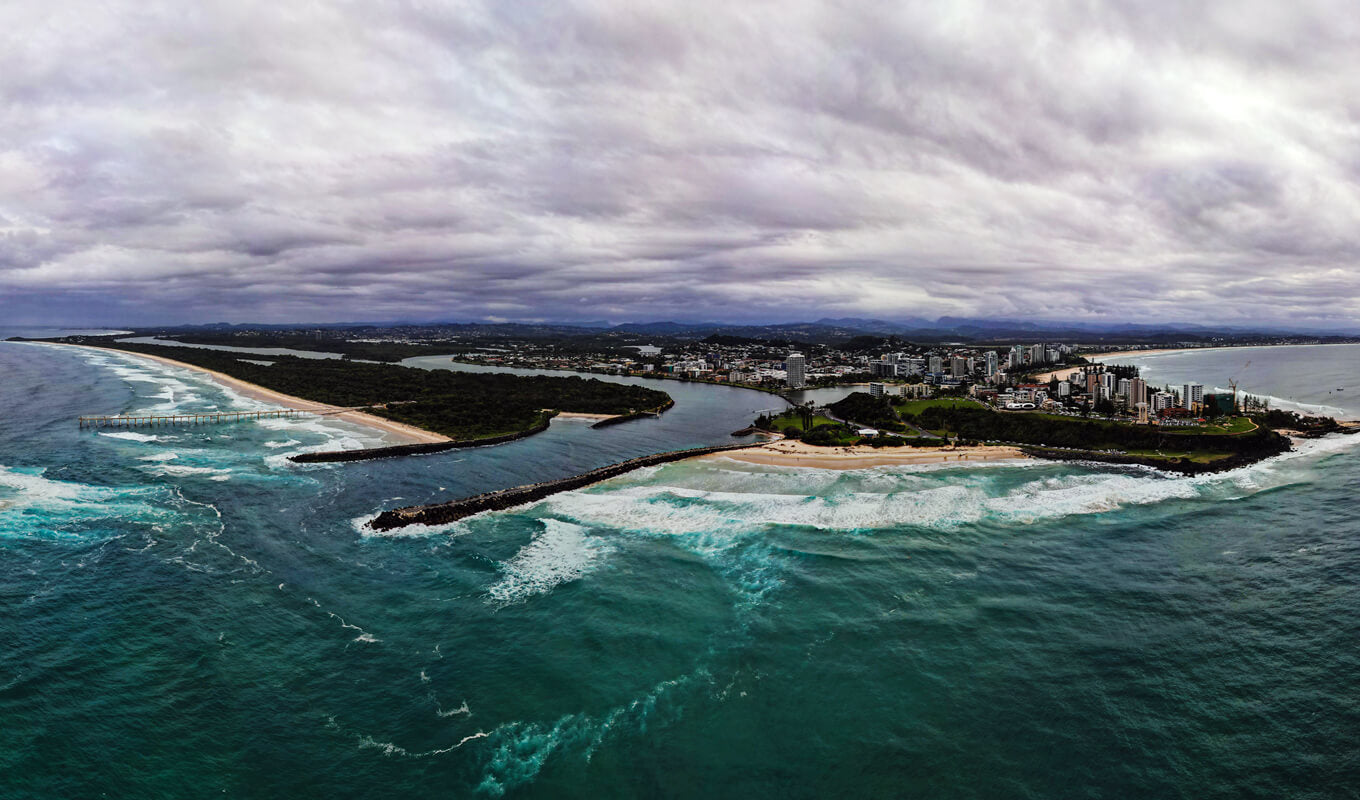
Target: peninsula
[428, 410]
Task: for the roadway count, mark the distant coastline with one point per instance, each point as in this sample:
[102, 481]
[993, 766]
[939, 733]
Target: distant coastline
[1160, 351]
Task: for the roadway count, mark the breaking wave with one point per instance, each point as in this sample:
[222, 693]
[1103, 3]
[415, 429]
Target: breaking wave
[561, 553]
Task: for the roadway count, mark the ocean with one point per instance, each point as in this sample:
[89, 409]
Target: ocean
[186, 614]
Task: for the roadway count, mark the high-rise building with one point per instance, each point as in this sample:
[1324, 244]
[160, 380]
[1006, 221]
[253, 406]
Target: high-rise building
[1037, 354]
[1137, 391]
[1192, 396]
[1161, 401]
[876, 389]
[936, 365]
[958, 367]
[992, 363]
[795, 369]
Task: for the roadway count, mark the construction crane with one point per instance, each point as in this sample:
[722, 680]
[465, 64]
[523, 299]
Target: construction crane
[1232, 382]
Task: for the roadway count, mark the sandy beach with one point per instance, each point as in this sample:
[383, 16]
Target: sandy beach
[1060, 374]
[581, 415]
[406, 434]
[798, 454]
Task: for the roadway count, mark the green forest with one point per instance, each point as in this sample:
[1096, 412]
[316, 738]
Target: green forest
[1042, 429]
[460, 405]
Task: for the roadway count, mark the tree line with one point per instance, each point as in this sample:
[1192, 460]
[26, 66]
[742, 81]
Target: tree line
[460, 405]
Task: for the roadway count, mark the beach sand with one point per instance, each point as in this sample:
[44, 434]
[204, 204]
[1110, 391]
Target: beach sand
[1060, 374]
[798, 454]
[404, 434]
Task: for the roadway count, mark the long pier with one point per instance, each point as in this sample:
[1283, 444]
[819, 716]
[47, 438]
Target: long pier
[150, 420]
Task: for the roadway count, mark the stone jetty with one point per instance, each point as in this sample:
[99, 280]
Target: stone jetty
[442, 513]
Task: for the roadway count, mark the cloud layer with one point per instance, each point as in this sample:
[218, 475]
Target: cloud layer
[297, 162]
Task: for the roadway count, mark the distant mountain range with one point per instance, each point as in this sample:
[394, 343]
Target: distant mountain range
[828, 330]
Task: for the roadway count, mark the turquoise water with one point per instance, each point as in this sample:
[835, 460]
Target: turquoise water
[185, 614]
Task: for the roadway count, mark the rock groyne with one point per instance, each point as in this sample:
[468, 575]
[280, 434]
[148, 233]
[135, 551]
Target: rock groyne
[1182, 466]
[443, 513]
[396, 450]
[655, 412]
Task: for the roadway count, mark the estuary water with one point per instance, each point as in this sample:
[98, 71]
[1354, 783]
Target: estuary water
[186, 614]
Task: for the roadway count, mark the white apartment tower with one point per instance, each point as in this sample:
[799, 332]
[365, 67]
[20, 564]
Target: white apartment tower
[795, 367]
[1192, 396]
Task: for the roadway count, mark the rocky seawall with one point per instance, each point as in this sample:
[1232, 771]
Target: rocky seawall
[1181, 466]
[655, 412]
[397, 450]
[442, 513]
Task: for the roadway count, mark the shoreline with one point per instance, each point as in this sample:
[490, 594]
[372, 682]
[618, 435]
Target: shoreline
[1061, 374]
[406, 434]
[786, 453]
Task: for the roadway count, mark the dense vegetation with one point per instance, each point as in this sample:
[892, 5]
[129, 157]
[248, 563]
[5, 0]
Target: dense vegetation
[1275, 418]
[866, 409]
[460, 405]
[1054, 431]
[816, 429]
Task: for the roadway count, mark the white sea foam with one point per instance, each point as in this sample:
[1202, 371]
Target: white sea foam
[360, 526]
[133, 436]
[892, 497]
[289, 443]
[159, 457]
[33, 505]
[164, 470]
[563, 552]
[1286, 404]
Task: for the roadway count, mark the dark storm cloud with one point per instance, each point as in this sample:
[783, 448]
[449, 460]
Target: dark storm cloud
[1160, 161]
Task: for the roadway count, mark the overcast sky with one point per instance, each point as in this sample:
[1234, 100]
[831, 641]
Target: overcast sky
[291, 161]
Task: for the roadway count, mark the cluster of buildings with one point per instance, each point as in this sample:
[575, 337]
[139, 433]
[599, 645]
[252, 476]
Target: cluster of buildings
[1115, 390]
[759, 364]
[1008, 377]
[967, 365]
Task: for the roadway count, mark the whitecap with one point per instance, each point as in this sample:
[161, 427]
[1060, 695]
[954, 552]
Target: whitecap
[183, 470]
[132, 436]
[563, 552]
[159, 457]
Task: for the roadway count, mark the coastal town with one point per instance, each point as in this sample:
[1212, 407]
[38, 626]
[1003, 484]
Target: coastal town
[1049, 377]
[864, 398]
